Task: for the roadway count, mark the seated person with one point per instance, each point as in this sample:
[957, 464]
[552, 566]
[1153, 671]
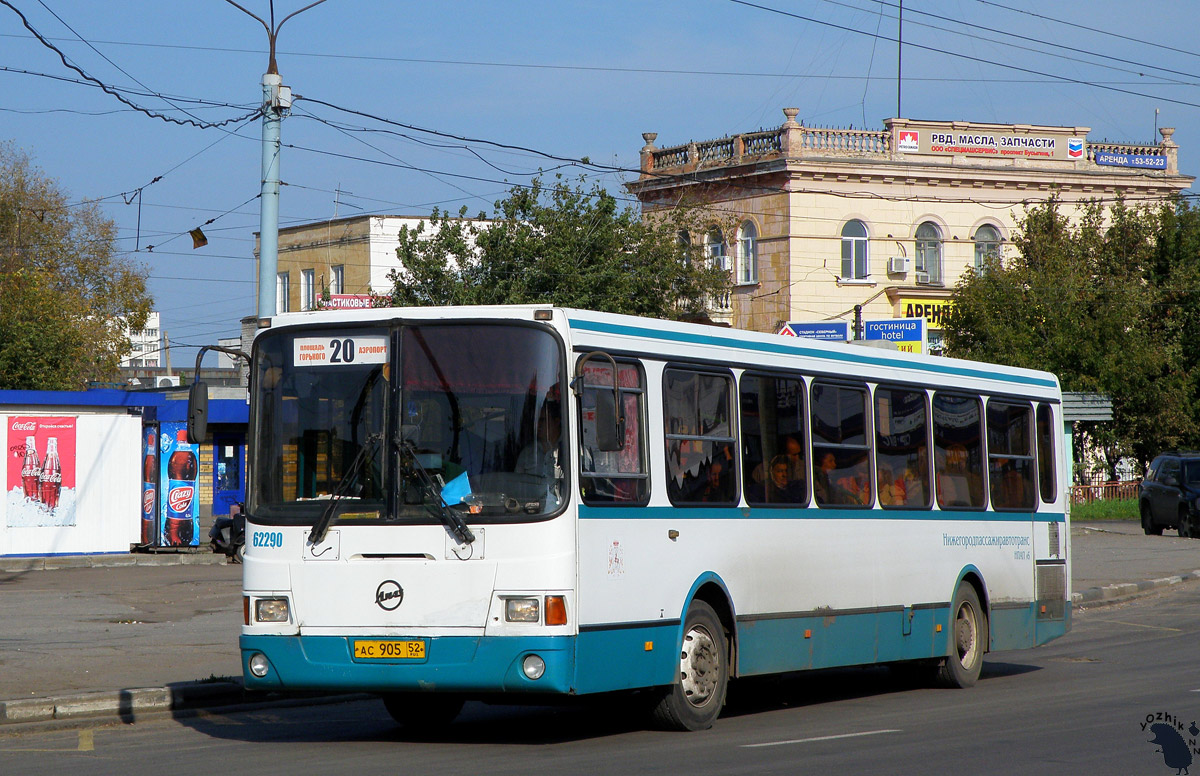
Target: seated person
[780, 488]
[855, 487]
[541, 456]
[823, 487]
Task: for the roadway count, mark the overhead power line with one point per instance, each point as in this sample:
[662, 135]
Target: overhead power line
[1090, 29]
[116, 93]
[968, 57]
[1028, 39]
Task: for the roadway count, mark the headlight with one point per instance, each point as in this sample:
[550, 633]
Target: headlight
[259, 664]
[271, 610]
[521, 610]
[533, 666]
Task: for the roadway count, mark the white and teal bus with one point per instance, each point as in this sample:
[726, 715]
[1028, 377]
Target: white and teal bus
[523, 502]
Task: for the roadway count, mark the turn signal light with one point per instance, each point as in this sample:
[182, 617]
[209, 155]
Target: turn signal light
[556, 610]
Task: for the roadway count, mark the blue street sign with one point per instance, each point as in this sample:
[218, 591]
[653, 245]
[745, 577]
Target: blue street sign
[908, 332]
[1114, 159]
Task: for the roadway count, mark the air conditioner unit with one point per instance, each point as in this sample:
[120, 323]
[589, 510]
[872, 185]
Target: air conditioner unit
[898, 264]
[168, 381]
[922, 277]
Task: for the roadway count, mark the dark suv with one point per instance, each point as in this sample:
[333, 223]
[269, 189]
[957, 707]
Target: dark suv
[1169, 496]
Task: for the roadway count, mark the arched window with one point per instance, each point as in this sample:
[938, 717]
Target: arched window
[854, 250]
[929, 253]
[747, 253]
[714, 248]
[987, 245]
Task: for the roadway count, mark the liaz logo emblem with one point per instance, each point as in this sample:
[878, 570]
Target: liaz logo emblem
[389, 595]
[1075, 148]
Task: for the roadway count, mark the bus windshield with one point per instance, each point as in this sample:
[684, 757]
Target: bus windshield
[474, 420]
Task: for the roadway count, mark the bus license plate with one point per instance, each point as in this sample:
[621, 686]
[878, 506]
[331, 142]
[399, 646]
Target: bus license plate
[389, 650]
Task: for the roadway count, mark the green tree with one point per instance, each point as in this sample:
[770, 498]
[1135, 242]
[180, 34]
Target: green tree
[64, 291]
[1175, 273]
[1079, 300]
[563, 245]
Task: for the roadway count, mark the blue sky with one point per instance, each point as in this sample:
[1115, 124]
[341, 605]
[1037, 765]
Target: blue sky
[570, 79]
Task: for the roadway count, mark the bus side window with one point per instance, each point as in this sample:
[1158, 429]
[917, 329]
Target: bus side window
[841, 447]
[618, 476]
[774, 455]
[1010, 455]
[958, 450]
[1045, 453]
[902, 447]
[698, 414]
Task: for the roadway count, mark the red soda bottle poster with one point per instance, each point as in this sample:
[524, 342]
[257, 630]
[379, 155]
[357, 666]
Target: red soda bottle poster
[182, 510]
[149, 487]
[51, 477]
[31, 470]
[40, 489]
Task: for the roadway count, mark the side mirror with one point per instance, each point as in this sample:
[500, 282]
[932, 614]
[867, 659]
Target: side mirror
[197, 417]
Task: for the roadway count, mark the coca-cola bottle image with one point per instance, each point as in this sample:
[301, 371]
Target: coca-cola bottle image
[181, 489]
[31, 471]
[51, 478]
[149, 488]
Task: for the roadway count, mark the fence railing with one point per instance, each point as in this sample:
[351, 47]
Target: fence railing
[1105, 491]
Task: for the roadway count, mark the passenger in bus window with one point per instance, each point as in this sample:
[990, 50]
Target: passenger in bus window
[781, 488]
[541, 456]
[891, 489]
[954, 490]
[794, 453]
[915, 478]
[855, 487]
[822, 480]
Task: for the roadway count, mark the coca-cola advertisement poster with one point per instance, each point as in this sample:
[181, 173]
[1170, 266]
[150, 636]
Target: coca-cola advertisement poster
[41, 472]
[179, 506]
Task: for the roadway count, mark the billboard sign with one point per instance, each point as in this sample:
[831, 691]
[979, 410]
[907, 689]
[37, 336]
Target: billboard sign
[40, 488]
[349, 302]
[833, 331]
[907, 333]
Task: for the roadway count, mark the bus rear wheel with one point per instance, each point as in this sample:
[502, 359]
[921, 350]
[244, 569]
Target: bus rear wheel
[424, 712]
[968, 640]
[695, 699]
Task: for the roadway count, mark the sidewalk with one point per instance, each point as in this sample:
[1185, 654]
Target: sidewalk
[120, 636]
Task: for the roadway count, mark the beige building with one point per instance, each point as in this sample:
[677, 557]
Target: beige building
[830, 223]
[348, 256]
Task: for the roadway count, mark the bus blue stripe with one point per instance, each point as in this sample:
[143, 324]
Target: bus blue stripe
[787, 348]
[810, 513]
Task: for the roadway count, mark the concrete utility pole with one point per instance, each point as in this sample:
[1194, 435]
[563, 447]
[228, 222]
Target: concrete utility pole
[277, 101]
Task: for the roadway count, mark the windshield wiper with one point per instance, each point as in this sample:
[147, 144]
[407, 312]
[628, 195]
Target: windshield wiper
[451, 519]
[321, 526]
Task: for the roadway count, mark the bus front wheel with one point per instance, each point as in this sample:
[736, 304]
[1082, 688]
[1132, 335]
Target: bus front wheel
[424, 712]
[968, 640]
[694, 700]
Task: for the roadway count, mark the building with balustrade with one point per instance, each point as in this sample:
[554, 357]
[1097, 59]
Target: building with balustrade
[829, 224]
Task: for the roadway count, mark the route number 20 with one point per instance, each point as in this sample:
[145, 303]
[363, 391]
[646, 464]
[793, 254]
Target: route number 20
[343, 351]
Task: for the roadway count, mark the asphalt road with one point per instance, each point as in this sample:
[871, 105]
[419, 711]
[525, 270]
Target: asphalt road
[1076, 705]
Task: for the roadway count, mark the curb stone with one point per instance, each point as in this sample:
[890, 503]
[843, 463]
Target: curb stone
[1124, 590]
[131, 705]
[11, 565]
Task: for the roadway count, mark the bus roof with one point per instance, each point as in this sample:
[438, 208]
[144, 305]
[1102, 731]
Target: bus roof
[679, 340]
